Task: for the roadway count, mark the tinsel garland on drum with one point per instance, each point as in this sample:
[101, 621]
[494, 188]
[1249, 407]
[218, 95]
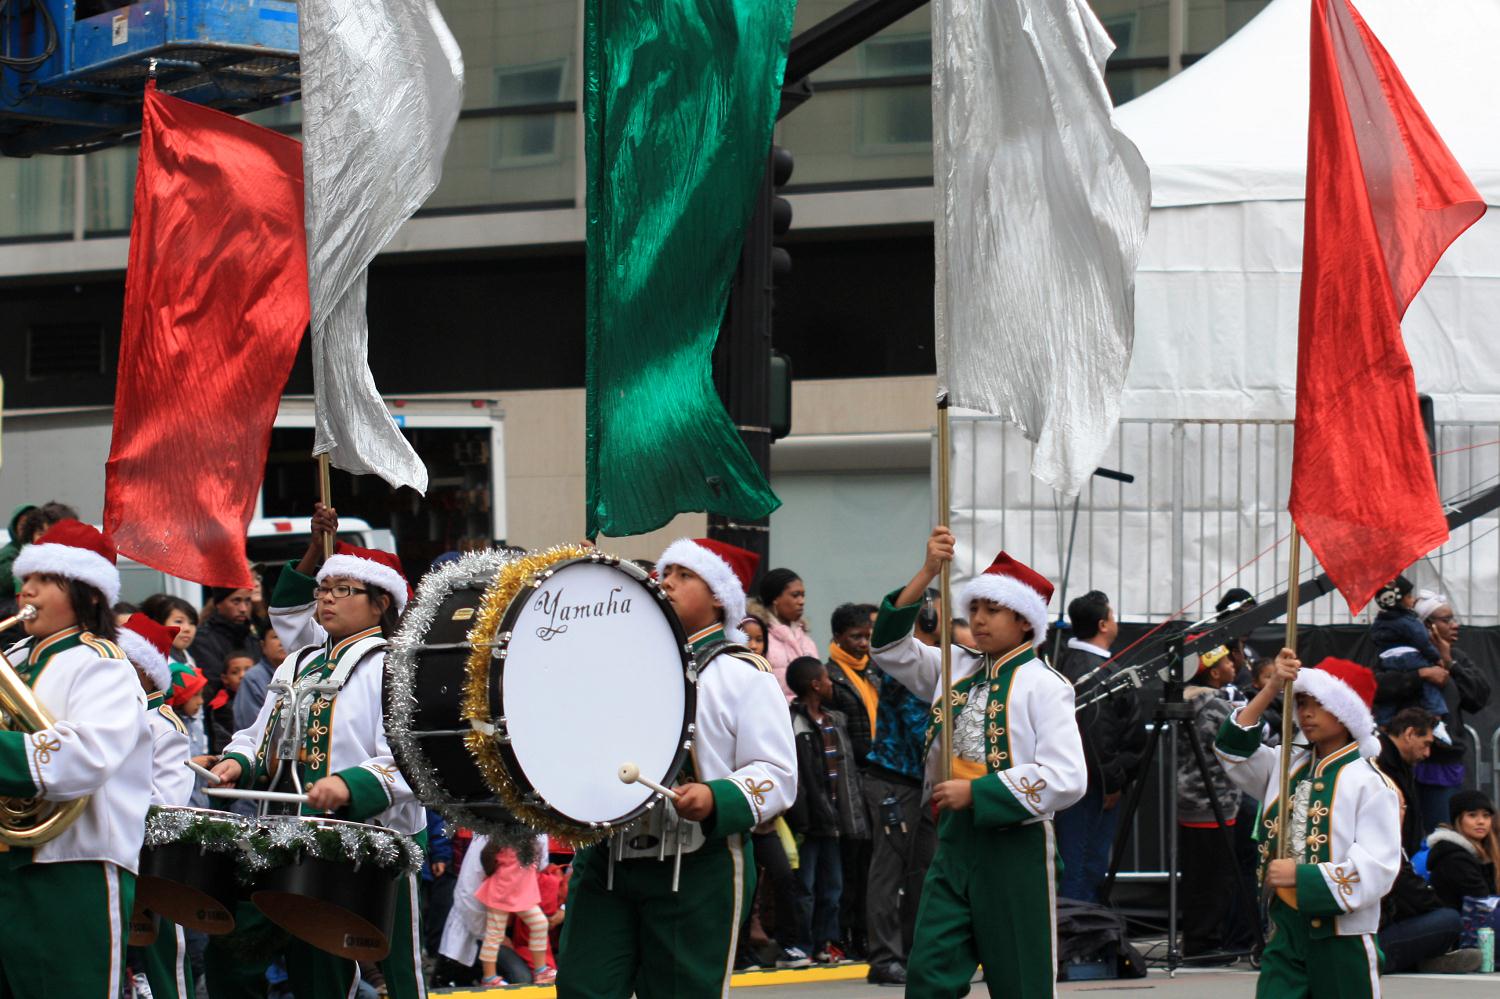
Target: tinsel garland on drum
[512, 578]
[260, 844]
[504, 697]
[474, 571]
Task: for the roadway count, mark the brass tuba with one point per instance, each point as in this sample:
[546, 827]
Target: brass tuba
[28, 822]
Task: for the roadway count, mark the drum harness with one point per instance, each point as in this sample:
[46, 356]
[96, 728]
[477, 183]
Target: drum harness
[296, 697]
[660, 832]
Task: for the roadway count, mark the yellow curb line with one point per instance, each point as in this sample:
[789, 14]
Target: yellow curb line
[741, 980]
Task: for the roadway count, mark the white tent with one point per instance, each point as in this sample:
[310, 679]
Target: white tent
[1216, 331]
[1216, 301]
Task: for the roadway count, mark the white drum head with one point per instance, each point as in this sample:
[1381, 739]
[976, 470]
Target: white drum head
[593, 678]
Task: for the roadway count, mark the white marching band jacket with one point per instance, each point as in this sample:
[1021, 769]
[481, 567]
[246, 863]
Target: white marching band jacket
[356, 739]
[100, 746]
[744, 737]
[1351, 827]
[1043, 768]
[172, 782]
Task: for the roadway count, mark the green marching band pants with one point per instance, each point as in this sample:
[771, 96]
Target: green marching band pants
[1298, 965]
[79, 912]
[989, 899]
[642, 938]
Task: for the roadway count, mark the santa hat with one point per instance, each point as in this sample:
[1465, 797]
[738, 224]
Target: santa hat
[147, 644]
[1347, 691]
[371, 567]
[1015, 585]
[186, 681]
[726, 569]
[73, 551]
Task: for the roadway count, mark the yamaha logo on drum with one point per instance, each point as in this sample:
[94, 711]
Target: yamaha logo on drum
[559, 612]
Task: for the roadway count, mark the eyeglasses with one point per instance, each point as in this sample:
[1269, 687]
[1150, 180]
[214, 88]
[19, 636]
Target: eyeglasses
[339, 592]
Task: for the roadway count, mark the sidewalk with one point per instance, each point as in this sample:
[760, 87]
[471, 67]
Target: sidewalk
[847, 981]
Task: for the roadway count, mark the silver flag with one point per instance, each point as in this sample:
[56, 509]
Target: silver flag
[382, 83]
[1041, 207]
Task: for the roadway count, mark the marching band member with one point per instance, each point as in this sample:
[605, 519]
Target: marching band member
[627, 931]
[1345, 829]
[990, 897]
[344, 764]
[79, 886]
[147, 644]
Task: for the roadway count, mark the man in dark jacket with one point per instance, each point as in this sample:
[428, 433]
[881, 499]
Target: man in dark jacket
[903, 833]
[224, 629]
[1114, 735]
[1407, 741]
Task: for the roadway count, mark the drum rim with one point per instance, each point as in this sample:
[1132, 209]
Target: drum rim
[547, 816]
[473, 569]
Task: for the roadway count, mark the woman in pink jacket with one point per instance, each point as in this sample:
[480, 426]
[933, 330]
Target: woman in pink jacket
[783, 595]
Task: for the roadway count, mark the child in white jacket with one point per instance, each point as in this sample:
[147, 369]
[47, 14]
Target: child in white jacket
[1344, 830]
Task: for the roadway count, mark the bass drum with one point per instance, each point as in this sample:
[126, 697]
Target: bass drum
[424, 691]
[520, 682]
[590, 670]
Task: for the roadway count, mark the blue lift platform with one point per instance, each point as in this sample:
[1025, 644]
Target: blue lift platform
[72, 72]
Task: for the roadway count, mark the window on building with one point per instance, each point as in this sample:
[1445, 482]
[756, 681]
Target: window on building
[897, 119]
[528, 139]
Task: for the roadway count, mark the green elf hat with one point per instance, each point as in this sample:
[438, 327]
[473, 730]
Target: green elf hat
[186, 681]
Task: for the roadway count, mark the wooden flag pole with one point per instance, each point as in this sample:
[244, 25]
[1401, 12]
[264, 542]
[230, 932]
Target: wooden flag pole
[325, 495]
[945, 586]
[1288, 716]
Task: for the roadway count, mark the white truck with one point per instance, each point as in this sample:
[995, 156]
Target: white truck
[269, 540]
[60, 454]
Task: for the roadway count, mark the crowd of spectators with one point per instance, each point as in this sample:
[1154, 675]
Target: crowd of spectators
[840, 874]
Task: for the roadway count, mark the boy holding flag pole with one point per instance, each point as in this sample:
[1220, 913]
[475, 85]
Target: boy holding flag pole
[1385, 198]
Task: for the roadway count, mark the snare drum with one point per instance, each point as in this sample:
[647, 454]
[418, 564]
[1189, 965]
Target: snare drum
[193, 884]
[574, 664]
[326, 898]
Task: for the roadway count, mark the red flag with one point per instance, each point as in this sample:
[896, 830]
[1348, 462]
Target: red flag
[1385, 197]
[215, 306]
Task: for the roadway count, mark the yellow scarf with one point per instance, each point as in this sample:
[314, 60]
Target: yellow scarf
[855, 670]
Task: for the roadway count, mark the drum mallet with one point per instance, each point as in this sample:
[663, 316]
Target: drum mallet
[283, 796]
[203, 772]
[631, 774]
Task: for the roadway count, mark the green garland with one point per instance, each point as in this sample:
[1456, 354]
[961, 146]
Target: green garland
[261, 844]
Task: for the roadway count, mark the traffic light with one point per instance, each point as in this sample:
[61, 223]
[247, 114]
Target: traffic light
[780, 408]
[780, 169]
[753, 380]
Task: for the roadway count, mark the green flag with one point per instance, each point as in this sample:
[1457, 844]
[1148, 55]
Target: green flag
[680, 99]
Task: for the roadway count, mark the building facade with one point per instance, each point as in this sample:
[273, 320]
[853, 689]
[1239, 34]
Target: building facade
[480, 298]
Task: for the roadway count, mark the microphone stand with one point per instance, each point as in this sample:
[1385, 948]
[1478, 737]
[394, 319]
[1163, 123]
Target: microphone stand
[1062, 590]
[1175, 716]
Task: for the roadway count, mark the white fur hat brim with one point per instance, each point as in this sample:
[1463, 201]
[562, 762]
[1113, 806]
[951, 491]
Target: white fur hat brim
[70, 563]
[1340, 700]
[144, 655]
[721, 580]
[368, 572]
[1009, 592]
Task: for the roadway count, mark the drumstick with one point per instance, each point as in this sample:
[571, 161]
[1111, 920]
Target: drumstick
[631, 774]
[204, 772]
[229, 792]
